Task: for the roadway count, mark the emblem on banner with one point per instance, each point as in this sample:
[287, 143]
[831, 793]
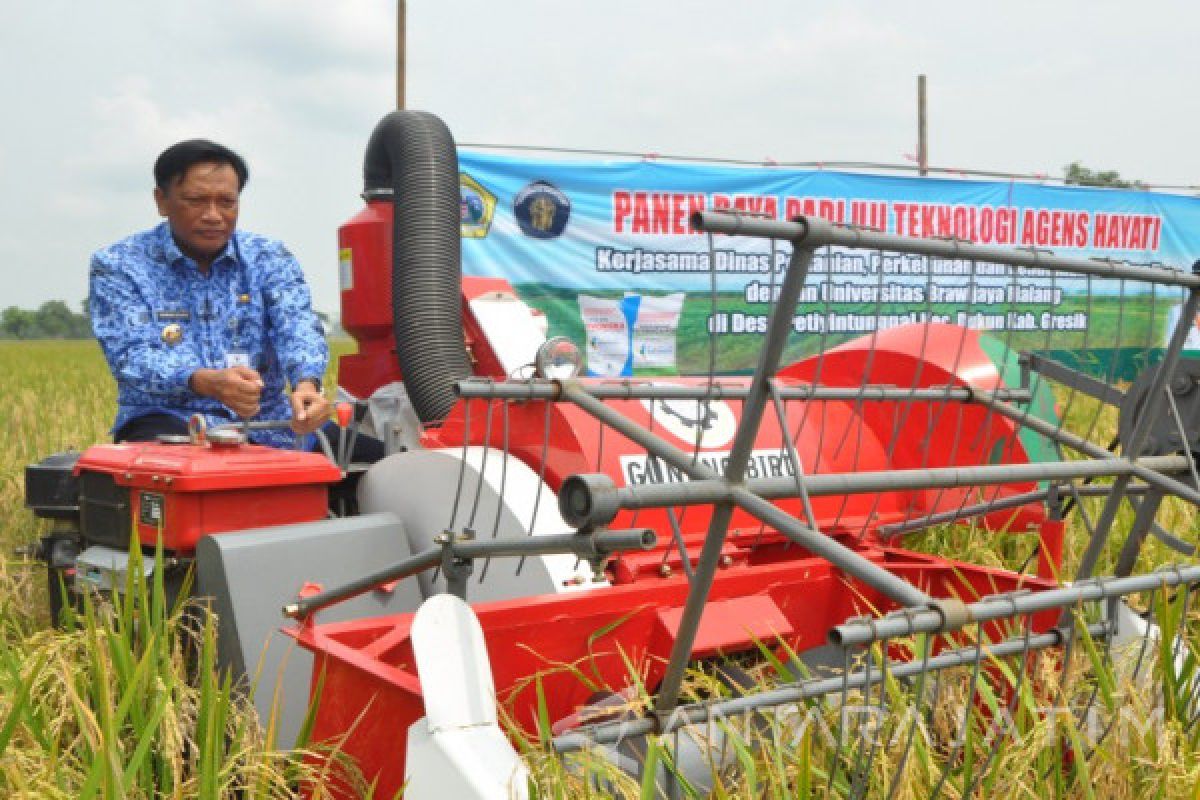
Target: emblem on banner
[476, 207]
[542, 210]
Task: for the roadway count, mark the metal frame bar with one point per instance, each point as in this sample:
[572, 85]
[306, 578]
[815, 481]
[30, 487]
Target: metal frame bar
[753, 409]
[933, 620]
[482, 389]
[702, 713]
[717, 490]
[583, 545]
[1001, 504]
[1072, 378]
[1181, 490]
[814, 232]
[906, 622]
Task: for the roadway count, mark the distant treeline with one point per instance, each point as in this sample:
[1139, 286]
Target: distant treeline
[53, 320]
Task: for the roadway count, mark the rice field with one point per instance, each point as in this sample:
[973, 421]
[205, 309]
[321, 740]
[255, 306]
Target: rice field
[110, 707]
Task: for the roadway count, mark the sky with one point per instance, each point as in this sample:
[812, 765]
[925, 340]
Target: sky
[93, 90]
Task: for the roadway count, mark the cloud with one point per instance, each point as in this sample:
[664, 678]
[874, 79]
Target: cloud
[292, 39]
[128, 127]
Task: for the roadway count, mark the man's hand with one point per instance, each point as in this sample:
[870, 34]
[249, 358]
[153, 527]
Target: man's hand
[310, 409]
[238, 388]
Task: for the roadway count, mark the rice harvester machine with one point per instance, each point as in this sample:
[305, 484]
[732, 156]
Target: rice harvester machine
[538, 546]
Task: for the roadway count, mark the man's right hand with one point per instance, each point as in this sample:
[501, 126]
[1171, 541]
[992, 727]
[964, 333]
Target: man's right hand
[238, 388]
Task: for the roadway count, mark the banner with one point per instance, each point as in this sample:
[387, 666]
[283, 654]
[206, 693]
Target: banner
[606, 251]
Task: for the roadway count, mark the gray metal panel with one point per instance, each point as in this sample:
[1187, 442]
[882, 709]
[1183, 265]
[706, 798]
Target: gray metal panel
[496, 498]
[250, 575]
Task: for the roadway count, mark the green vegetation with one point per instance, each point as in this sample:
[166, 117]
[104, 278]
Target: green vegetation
[52, 320]
[1079, 175]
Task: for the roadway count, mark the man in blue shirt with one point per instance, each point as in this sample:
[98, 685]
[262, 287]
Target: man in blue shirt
[197, 316]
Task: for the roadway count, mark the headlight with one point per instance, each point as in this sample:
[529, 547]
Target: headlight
[558, 359]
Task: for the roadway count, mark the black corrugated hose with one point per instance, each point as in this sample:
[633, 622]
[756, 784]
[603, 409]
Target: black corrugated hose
[413, 154]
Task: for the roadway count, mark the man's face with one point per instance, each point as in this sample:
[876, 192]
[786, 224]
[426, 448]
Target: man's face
[202, 208]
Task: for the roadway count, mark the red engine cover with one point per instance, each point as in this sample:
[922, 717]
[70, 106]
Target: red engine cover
[187, 491]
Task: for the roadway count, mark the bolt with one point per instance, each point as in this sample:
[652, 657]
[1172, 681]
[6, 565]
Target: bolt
[664, 570]
[577, 580]
[726, 561]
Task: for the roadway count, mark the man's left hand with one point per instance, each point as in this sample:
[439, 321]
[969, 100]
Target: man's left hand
[310, 409]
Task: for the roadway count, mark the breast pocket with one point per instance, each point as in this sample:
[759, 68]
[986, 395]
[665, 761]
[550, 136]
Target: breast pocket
[248, 324]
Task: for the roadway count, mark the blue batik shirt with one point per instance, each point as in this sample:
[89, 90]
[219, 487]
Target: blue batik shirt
[159, 319]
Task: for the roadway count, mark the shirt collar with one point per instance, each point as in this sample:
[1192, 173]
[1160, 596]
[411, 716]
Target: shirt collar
[175, 256]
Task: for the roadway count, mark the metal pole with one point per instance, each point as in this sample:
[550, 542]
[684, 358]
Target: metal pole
[911, 621]
[922, 142]
[582, 545]
[1143, 523]
[706, 713]
[401, 51]
[476, 388]
[831, 550]
[653, 444]
[700, 492]
[815, 232]
[755, 404]
[1001, 504]
[1140, 470]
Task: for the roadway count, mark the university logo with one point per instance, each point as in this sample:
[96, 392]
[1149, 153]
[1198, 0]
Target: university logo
[542, 210]
[476, 207]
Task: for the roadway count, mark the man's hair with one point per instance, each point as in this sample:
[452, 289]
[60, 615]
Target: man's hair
[175, 161]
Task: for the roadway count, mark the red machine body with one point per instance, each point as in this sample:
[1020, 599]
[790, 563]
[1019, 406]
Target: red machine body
[831, 437]
[613, 637]
[365, 264]
[364, 260]
[768, 590]
[185, 491]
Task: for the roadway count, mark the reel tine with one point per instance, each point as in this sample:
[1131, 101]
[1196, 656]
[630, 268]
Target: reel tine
[533, 514]
[914, 712]
[505, 405]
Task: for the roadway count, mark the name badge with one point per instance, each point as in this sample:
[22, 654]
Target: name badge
[237, 359]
